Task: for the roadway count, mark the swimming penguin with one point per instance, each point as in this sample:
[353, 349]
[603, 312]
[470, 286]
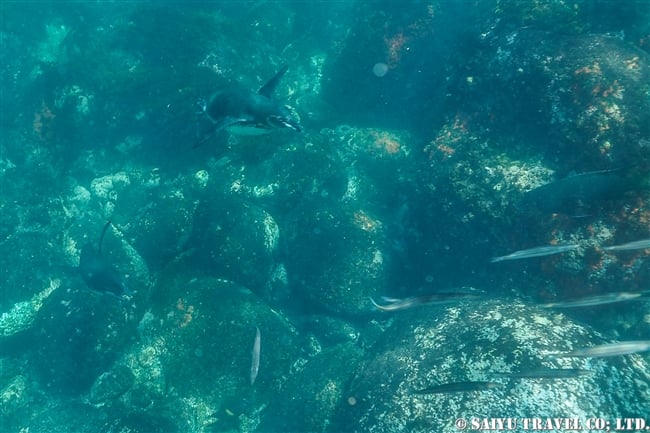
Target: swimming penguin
[244, 112]
[98, 273]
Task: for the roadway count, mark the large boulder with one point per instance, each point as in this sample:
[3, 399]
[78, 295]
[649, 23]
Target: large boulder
[336, 258]
[77, 335]
[478, 343]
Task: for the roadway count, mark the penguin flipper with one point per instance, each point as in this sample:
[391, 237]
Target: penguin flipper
[268, 88]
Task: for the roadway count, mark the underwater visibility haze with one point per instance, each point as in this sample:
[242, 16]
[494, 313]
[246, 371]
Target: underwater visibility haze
[351, 216]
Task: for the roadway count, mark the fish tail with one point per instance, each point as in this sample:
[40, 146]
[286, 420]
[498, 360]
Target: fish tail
[377, 306]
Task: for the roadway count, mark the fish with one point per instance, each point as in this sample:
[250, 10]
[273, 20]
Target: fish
[580, 193]
[446, 388]
[434, 299]
[255, 356]
[241, 111]
[536, 252]
[607, 350]
[636, 245]
[590, 301]
[546, 373]
[98, 272]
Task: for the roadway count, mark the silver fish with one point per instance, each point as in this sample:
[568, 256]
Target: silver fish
[546, 373]
[636, 245]
[458, 387]
[606, 350]
[437, 299]
[589, 301]
[255, 358]
[536, 252]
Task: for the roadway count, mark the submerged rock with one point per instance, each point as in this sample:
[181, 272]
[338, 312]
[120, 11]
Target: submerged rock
[315, 390]
[430, 347]
[142, 422]
[15, 396]
[111, 384]
[198, 340]
[22, 315]
[21, 283]
[67, 416]
[233, 239]
[78, 335]
[337, 258]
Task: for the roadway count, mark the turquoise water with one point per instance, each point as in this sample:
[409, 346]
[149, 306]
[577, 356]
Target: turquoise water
[401, 248]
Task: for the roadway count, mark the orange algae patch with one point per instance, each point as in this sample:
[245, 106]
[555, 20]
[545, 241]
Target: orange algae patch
[386, 142]
[187, 311]
[42, 123]
[365, 222]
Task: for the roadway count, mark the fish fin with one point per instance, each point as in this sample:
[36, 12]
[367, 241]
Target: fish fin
[268, 88]
[206, 129]
[198, 143]
[101, 237]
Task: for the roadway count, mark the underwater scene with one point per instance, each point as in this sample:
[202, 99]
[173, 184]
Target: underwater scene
[327, 216]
